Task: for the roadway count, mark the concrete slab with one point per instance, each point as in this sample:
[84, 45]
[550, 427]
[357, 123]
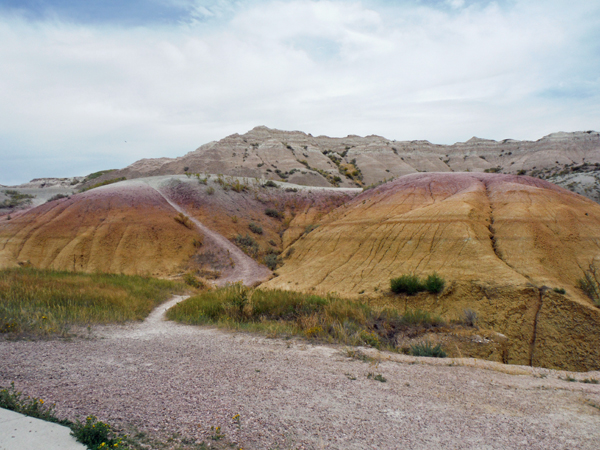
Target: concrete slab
[19, 432]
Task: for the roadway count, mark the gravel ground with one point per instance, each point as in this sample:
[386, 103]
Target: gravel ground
[166, 379]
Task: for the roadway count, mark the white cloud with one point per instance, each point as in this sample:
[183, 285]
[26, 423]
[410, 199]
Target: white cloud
[325, 67]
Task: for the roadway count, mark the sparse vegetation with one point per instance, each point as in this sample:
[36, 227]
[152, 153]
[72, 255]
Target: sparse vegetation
[256, 229]
[96, 435]
[411, 284]
[16, 199]
[210, 190]
[93, 176]
[281, 313]
[270, 183]
[45, 302]
[560, 291]
[272, 260]
[590, 284]
[184, 220]
[493, 170]
[273, 213]
[469, 318]
[14, 400]
[103, 183]
[427, 349]
[57, 197]
[247, 244]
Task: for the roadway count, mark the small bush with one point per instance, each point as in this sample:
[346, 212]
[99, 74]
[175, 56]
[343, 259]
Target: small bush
[406, 284]
[434, 283]
[411, 284]
[96, 435]
[184, 220]
[272, 261]
[427, 349]
[57, 197]
[469, 317]
[270, 183]
[210, 190]
[247, 244]
[560, 291]
[191, 280]
[256, 229]
[273, 213]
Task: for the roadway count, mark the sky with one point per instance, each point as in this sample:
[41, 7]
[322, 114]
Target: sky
[93, 85]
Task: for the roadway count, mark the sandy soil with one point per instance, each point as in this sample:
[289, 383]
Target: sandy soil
[166, 378]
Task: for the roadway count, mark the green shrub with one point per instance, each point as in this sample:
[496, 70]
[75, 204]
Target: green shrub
[272, 261]
[256, 229]
[411, 284]
[96, 435]
[434, 283]
[406, 284]
[270, 183]
[14, 400]
[273, 213]
[210, 190]
[247, 244]
[427, 349]
[560, 291]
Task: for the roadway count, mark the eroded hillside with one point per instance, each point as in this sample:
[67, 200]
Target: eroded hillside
[571, 160]
[502, 242]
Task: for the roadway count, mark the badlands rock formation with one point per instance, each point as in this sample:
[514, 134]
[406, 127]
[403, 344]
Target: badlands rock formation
[568, 159]
[129, 227]
[502, 243]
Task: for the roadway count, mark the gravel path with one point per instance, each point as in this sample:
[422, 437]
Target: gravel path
[166, 378]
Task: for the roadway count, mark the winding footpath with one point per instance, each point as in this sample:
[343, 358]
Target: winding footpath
[245, 268]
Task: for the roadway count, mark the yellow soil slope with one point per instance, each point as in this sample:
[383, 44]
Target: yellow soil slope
[110, 229]
[496, 239]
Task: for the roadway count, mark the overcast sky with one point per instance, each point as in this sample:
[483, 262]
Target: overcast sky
[91, 85]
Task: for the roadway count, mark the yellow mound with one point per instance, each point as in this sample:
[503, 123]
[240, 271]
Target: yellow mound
[498, 241]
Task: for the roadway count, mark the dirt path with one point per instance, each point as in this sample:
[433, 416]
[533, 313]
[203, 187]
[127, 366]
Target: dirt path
[246, 269]
[173, 381]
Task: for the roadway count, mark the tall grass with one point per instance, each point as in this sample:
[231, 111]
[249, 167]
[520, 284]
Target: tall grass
[49, 302]
[277, 313]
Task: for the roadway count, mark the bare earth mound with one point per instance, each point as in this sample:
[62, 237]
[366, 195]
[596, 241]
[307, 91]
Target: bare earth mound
[500, 241]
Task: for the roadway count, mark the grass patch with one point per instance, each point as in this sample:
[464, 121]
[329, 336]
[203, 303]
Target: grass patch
[285, 313]
[412, 284]
[44, 302]
[14, 400]
[103, 183]
[427, 349]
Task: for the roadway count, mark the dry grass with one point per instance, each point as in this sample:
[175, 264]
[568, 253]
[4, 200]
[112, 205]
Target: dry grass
[286, 313]
[45, 302]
